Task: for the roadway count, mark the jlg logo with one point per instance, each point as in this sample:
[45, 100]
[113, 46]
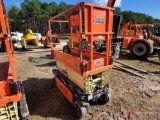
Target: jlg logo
[100, 21]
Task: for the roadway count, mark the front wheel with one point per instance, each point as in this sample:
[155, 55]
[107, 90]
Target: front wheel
[141, 48]
[104, 98]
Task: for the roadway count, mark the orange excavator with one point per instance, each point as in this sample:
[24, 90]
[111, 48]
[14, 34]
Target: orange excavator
[13, 105]
[140, 39]
[82, 73]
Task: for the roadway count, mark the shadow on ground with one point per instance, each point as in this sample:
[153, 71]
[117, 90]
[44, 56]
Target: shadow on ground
[47, 64]
[44, 99]
[128, 56]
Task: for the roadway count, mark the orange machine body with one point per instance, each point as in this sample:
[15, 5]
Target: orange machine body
[7, 69]
[66, 92]
[132, 33]
[95, 23]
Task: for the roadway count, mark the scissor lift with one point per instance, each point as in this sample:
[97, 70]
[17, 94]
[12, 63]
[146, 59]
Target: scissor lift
[13, 104]
[82, 74]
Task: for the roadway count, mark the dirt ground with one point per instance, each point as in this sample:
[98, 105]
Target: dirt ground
[133, 98]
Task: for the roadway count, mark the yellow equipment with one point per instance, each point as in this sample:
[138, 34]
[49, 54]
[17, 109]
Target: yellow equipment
[29, 39]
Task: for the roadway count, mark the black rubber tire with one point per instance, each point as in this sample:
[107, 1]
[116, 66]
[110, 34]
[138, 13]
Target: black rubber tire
[104, 99]
[146, 43]
[66, 49]
[80, 110]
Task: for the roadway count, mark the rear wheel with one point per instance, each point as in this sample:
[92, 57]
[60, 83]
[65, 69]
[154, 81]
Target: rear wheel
[80, 110]
[66, 49]
[141, 48]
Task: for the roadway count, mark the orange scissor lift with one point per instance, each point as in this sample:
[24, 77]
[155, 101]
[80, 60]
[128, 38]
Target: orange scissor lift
[13, 104]
[82, 74]
[49, 39]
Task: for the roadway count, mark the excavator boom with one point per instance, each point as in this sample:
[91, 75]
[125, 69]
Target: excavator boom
[111, 3]
[4, 18]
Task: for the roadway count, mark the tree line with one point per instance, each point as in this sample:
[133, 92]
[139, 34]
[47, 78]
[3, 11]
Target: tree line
[34, 14]
[135, 17]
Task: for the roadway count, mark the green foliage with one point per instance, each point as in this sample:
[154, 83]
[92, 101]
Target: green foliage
[134, 17]
[34, 15]
[14, 20]
[31, 9]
